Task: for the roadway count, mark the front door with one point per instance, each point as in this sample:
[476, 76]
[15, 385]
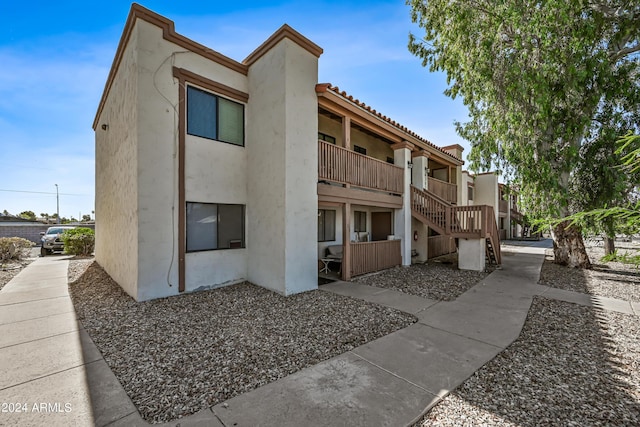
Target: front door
[380, 225]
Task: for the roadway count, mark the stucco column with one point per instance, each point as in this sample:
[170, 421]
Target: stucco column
[282, 164]
[346, 132]
[471, 254]
[419, 171]
[402, 217]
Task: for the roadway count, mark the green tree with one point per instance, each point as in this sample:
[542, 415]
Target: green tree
[86, 218]
[600, 180]
[628, 215]
[28, 215]
[534, 77]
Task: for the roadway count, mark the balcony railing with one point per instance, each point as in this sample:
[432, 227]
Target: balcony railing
[444, 190]
[338, 164]
[367, 257]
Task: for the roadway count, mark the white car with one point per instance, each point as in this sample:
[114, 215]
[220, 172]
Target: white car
[51, 241]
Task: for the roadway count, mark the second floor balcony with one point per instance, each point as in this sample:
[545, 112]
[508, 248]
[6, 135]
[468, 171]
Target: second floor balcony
[343, 166]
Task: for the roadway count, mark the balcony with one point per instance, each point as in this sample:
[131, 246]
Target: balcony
[444, 190]
[343, 166]
[503, 206]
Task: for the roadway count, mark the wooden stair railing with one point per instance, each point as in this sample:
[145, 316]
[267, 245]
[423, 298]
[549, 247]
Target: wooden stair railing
[458, 221]
[430, 209]
[492, 236]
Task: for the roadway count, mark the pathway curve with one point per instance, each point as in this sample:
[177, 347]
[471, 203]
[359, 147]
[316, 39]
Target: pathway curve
[51, 367]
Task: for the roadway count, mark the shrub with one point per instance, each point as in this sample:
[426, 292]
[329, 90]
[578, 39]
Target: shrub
[79, 241]
[15, 248]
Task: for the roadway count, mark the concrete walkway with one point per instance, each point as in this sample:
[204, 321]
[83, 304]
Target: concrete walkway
[50, 364]
[51, 373]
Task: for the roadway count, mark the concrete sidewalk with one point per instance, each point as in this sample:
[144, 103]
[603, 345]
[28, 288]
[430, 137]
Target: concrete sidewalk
[395, 379]
[51, 367]
[51, 373]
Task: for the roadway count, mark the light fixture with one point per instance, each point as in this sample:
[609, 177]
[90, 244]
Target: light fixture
[409, 164]
[104, 126]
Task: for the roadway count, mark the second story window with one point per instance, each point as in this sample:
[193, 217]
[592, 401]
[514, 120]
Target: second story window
[359, 149]
[470, 193]
[213, 117]
[328, 138]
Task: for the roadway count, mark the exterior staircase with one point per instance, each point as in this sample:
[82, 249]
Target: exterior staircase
[476, 222]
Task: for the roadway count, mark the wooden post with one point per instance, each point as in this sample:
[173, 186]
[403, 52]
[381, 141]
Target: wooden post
[484, 221]
[346, 241]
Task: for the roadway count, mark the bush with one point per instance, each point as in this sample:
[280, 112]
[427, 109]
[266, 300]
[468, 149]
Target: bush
[14, 248]
[79, 241]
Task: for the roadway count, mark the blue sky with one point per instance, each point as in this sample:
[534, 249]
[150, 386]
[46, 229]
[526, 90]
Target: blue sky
[55, 59]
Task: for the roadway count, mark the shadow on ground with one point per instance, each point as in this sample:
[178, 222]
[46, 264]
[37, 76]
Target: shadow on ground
[571, 365]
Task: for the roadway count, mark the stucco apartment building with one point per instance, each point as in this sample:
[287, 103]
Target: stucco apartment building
[211, 171]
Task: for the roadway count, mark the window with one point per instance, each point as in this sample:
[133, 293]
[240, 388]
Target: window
[210, 116]
[327, 138]
[390, 160]
[501, 223]
[213, 226]
[360, 221]
[326, 225]
[359, 149]
[470, 193]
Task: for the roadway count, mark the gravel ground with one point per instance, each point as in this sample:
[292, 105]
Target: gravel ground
[77, 267]
[434, 280]
[11, 270]
[176, 356]
[612, 279]
[570, 366]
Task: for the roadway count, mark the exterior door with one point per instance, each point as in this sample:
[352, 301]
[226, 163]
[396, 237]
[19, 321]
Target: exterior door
[380, 225]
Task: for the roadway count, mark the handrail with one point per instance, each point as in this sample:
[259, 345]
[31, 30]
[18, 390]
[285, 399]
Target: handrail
[457, 221]
[443, 189]
[341, 165]
[493, 233]
[431, 208]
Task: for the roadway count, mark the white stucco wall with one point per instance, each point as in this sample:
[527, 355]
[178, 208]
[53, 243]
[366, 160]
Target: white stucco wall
[402, 217]
[214, 171]
[466, 180]
[281, 151]
[116, 176]
[471, 254]
[486, 191]
[422, 244]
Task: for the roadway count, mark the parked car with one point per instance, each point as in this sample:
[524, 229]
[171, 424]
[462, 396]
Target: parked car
[51, 241]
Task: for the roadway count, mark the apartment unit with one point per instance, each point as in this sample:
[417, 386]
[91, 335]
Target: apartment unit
[212, 171]
[485, 189]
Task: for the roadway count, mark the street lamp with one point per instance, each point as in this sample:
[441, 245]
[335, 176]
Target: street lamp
[57, 203]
